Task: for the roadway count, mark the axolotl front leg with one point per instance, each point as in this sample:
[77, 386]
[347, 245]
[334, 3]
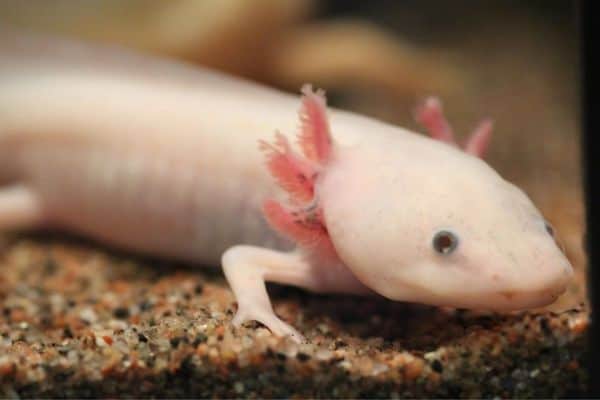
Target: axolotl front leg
[247, 268]
[314, 265]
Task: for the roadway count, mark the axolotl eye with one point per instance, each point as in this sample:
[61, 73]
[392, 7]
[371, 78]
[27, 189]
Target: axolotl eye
[445, 242]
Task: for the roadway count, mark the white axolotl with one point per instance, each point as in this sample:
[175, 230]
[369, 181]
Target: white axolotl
[169, 159]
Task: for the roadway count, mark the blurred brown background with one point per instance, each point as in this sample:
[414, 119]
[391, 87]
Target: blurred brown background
[514, 61]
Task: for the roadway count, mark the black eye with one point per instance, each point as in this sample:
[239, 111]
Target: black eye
[549, 228]
[444, 242]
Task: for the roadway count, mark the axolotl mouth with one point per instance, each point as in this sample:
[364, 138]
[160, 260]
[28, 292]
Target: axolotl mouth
[526, 298]
[529, 299]
[503, 300]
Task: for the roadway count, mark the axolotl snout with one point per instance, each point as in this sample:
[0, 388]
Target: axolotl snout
[162, 158]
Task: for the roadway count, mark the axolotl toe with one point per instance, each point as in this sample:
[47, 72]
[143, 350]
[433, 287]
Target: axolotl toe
[178, 161]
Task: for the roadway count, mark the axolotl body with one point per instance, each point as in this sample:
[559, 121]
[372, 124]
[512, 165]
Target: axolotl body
[176, 161]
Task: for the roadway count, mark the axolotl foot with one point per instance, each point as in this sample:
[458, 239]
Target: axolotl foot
[267, 318]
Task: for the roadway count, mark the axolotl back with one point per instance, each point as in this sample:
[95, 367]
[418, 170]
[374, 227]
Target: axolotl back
[177, 161]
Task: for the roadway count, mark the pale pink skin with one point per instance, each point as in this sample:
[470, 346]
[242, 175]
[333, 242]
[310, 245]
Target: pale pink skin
[163, 159]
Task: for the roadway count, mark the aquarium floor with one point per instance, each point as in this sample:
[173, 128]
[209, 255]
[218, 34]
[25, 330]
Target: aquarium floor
[76, 321]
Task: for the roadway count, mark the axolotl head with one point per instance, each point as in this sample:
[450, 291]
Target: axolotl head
[418, 220]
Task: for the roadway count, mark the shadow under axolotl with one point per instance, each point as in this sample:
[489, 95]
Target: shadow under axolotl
[154, 268]
[414, 327]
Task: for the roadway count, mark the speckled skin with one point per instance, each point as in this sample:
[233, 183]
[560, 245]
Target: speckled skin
[162, 158]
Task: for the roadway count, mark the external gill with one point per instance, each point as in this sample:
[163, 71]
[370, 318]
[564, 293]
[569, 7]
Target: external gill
[431, 115]
[297, 174]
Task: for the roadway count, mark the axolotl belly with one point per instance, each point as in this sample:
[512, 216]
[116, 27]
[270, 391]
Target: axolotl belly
[177, 161]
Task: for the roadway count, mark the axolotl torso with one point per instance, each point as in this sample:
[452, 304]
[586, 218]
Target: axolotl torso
[177, 161]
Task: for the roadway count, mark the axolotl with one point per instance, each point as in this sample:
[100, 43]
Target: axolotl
[177, 161]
